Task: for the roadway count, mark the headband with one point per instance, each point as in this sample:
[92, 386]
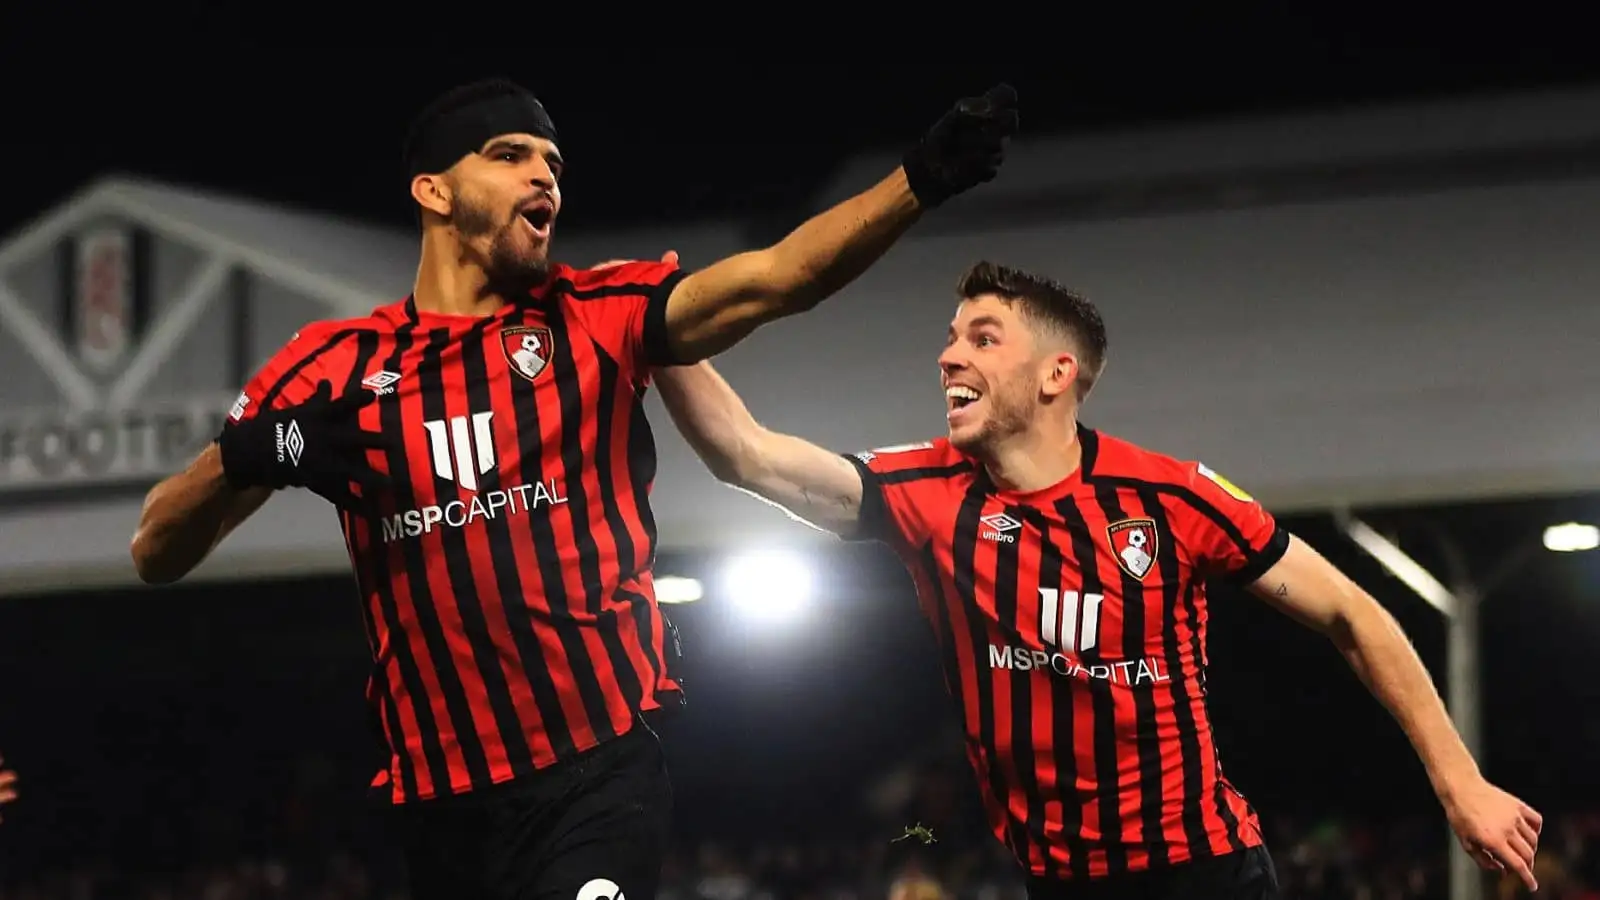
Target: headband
[461, 130]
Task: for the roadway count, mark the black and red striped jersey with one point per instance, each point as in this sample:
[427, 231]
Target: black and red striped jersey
[1072, 628]
[506, 584]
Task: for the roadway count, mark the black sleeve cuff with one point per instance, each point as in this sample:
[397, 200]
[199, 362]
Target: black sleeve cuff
[1262, 559]
[657, 345]
[872, 521]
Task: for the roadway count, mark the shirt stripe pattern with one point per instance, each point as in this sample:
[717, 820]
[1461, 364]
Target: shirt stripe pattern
[505, 585]
[1072, 626]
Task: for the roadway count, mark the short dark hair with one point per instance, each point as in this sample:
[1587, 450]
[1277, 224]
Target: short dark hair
[1045, 301]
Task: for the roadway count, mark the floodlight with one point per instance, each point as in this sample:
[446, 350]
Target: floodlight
[1571, 537]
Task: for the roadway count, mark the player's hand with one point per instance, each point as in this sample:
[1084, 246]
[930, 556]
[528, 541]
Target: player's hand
[1498, 830]
[964, 148]
[8, 784]
[670, 258]
[318, 445]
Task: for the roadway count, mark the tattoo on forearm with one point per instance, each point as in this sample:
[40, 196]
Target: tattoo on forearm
[810, 499]
[1282, 591]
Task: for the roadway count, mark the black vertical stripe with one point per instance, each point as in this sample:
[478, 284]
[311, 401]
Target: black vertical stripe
[240, 357]
[416, 574]
[1062, 723]
[430, 373]
[964, 550]
[380, 694]
[1194, 823]
[547, 555]
[67, 289]
[570, 393]
[141, 278]
[485, 652]
[605, 429]
[1147, 738]
[391, 423]
[1084, 551]
[1028, 835]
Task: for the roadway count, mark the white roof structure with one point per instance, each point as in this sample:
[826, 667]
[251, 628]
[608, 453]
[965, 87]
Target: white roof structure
[1227, 294]
[352, 265]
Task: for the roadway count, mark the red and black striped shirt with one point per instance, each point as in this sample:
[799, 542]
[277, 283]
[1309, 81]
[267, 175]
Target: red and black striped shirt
[1072, 627]
[507, 590]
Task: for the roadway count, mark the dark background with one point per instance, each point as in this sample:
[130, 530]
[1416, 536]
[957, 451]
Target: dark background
[128, 711]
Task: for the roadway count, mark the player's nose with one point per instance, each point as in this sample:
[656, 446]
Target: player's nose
[540, 174]
[952, 359]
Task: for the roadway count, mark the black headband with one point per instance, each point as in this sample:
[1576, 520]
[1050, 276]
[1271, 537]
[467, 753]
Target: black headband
[462, 130]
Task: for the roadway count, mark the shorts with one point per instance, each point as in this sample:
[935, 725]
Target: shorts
[1245, 875]
[592, 828]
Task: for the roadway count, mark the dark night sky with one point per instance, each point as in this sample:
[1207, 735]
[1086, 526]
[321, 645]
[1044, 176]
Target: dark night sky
[652, 133]
[652, 137]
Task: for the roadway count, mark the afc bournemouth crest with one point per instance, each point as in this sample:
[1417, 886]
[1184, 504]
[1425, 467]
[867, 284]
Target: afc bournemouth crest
[1133, 542]
[528, 349]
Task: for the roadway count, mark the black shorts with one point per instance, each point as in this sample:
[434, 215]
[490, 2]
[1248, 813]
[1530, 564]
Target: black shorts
[594, 828]
[1246, 875]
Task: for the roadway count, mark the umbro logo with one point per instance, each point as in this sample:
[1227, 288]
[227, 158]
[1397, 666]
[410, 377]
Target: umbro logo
[381, 381]
[998, 527]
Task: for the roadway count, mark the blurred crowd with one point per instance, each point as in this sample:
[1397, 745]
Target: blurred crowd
[1316, 861]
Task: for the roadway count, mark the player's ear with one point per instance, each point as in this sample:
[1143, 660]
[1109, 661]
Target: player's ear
[432, 193]
[1060, 375]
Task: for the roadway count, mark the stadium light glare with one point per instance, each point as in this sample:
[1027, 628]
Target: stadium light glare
[1571, 537]
[768, 584]
[677, 589]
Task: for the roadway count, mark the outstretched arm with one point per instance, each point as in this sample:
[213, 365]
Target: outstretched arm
[1499, 830]
[186, 516]
[715, 308]
[813, 485]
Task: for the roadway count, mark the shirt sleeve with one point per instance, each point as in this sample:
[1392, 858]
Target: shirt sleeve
[625, 309]
[898, 490]
[1228, 533]
[290, 377]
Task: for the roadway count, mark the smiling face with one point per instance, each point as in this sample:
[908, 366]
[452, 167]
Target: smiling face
[502, 203]
[997, 373]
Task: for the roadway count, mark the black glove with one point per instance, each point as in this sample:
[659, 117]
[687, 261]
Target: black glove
[964, 148]
[317, 445]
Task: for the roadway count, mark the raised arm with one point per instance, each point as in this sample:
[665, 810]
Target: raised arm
[715, 308]
[811, 484]
[1499, 830]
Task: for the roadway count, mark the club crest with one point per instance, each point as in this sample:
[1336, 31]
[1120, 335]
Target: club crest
[1133, 543]
[528, 349]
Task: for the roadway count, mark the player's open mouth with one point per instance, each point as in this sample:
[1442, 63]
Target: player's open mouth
[958, 397]
[539, 218]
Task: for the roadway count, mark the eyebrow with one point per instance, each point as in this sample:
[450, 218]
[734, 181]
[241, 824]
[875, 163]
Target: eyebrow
[551, 156]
